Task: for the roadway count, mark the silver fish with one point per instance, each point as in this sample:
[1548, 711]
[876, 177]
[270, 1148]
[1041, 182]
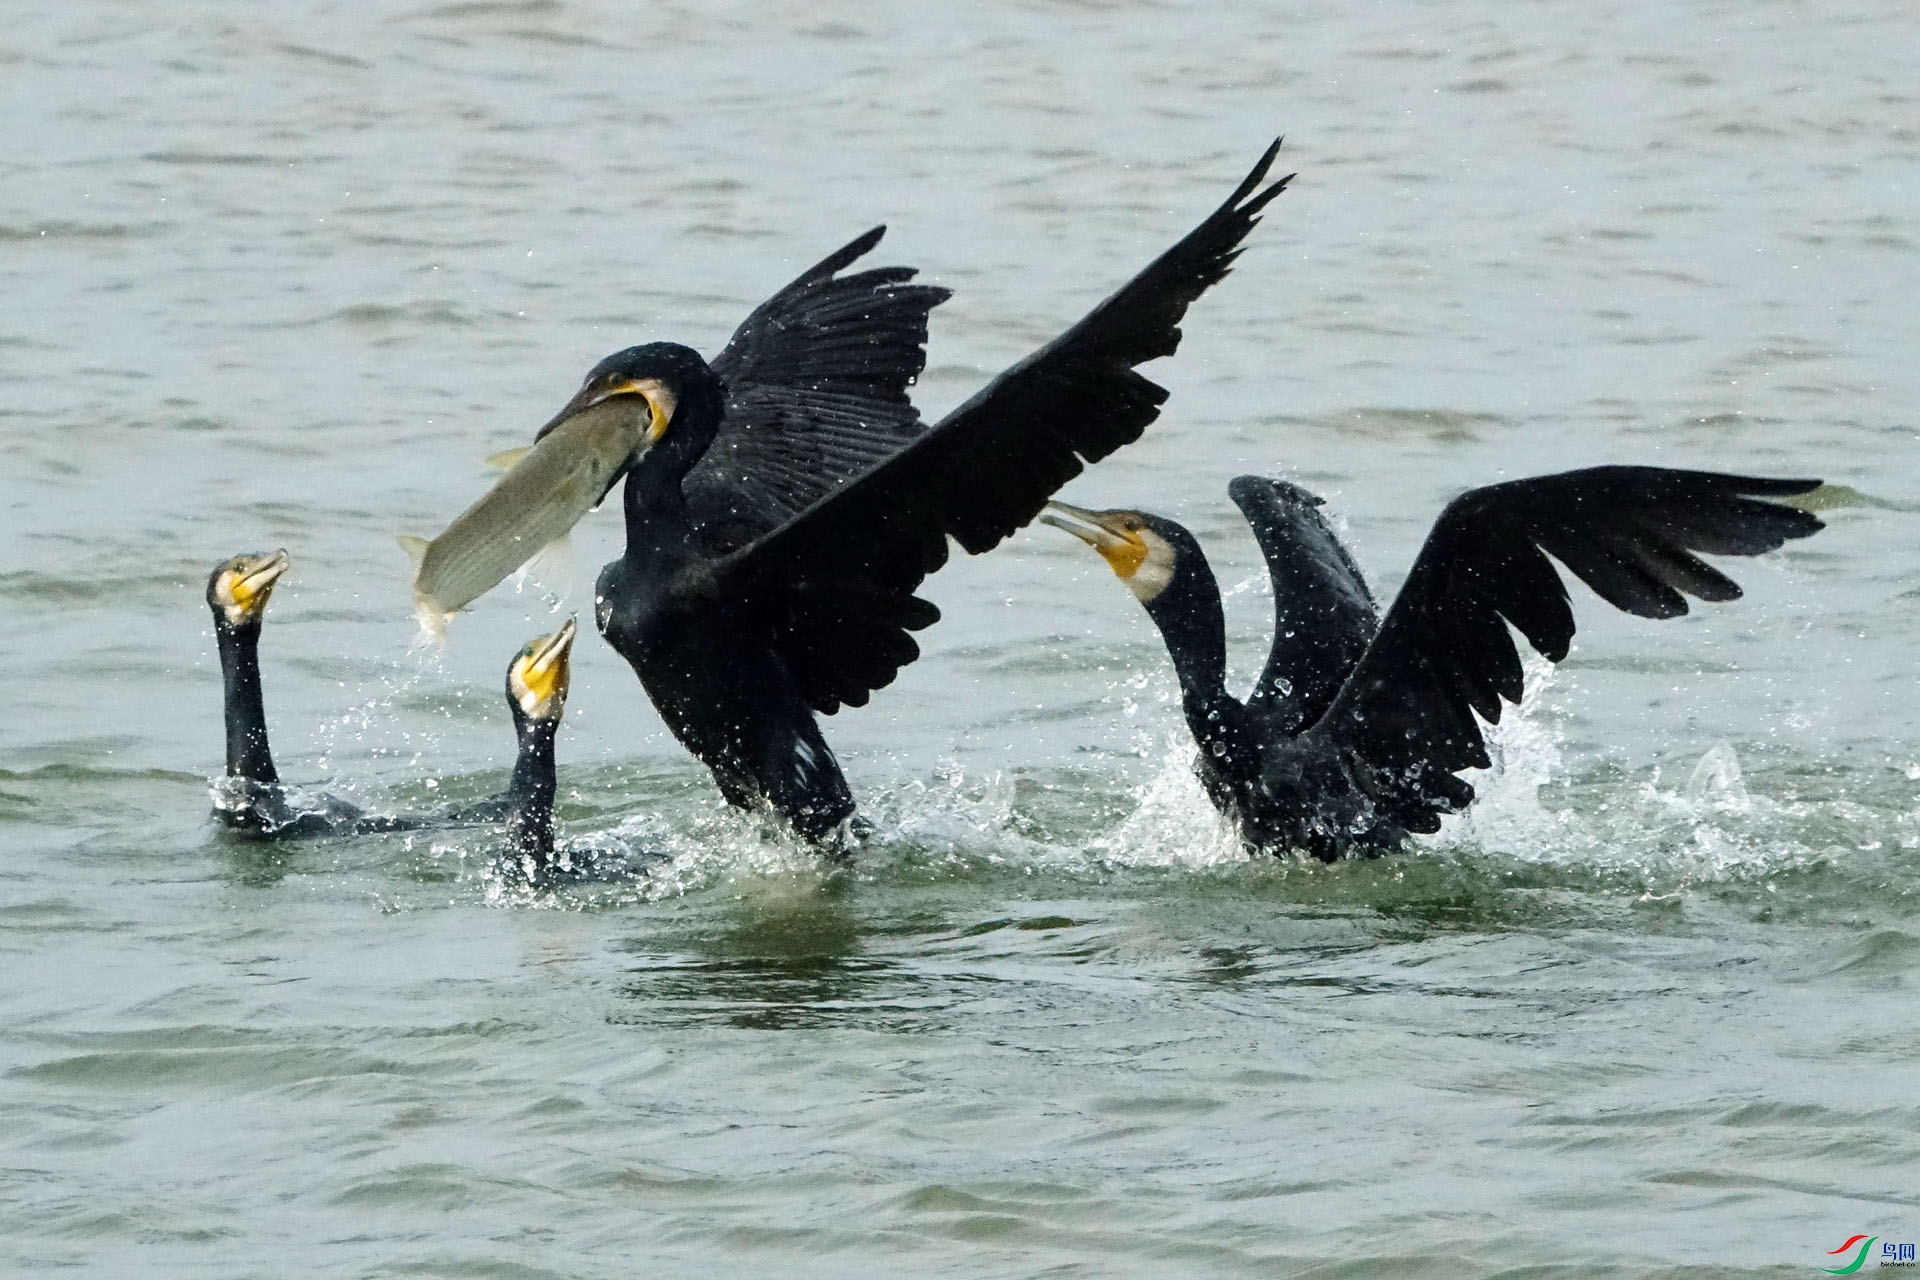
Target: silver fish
[536, 502]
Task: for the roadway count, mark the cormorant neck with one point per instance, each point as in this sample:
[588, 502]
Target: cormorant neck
[533, 771]
[1191, 620]
[655, 507]
[247, 753]
[530, 793]
[656, 510]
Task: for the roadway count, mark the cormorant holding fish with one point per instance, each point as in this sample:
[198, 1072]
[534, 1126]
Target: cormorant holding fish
[253, 803]
[1353, 735]
[745, 611]
[815, 391]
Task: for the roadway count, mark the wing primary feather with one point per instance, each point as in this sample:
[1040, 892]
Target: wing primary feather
[988, 467]
[1443, 655]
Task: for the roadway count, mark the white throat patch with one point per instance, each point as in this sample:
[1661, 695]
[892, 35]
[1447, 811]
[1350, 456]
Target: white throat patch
[1155, 572]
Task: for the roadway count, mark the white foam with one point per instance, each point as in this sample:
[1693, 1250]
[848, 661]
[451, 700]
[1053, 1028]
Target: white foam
[1173, 823]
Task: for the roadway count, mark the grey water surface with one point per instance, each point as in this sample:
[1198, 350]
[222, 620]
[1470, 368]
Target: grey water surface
[282, 275]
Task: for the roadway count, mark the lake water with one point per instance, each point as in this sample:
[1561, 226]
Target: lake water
[282, 276]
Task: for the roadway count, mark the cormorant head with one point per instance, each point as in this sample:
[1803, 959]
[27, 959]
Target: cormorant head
[1166, 570]
[1144, 551]
[538, 675]
[238, 590]
[672, 393]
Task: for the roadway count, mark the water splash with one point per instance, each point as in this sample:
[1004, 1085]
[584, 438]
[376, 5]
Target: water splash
[1525, 748]
[651, 856]
[550, 574]
[1172, 823]
[671, 835]
[956, 818]
[387, 726]
[1713, 829]
[1717, 784]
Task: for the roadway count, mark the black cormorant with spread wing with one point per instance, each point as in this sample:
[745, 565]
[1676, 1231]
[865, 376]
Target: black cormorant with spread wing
[253, 803]
[745, 608]
[1354, 734]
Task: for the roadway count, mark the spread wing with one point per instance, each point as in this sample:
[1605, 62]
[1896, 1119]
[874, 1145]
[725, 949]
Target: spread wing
[817, 379]
[1323, 614]
[1444, 653]
[836, 584]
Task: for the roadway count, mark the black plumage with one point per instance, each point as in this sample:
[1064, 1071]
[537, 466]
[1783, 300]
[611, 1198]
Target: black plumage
[815, 390]
[770, 574]
[812, 389]
[1358, 727]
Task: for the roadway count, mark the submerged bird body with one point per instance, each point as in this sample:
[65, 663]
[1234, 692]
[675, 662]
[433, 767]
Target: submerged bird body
[784, 502]
[251, 800]
[1358, 726]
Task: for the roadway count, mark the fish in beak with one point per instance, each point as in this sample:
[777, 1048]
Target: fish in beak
[578, 457]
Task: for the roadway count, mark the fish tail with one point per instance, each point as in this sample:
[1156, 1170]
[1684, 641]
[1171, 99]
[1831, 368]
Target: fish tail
[433, 618]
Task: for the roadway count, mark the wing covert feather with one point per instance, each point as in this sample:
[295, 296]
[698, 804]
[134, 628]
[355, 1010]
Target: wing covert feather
[817, 380]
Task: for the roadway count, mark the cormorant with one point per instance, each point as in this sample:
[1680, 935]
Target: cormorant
[252, 801]
[815, 391]
[537, 681]
[1355, 730]
[745, 611]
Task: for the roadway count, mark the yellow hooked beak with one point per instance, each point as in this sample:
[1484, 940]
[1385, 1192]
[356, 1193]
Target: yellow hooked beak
[245, 583]
[659, 397]
[538, 678]
[1116, 535]
[578, 458]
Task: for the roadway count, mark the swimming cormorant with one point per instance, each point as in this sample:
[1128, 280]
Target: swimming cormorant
[537, 682]
[253, 803]
[1353, 735]
[745, 614]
